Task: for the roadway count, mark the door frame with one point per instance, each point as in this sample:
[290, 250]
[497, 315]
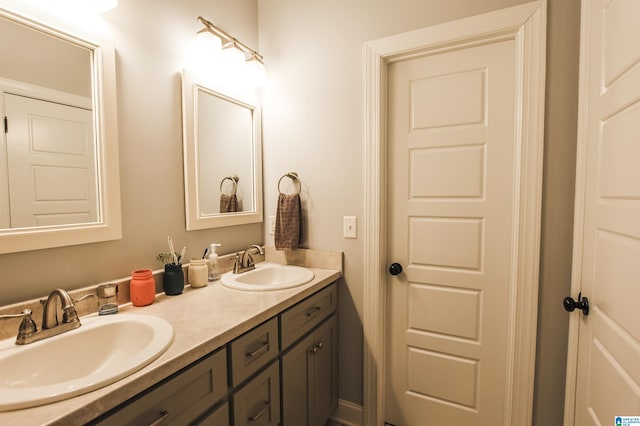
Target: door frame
[526, 25]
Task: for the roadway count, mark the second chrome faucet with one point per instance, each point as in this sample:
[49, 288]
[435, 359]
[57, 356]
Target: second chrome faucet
[244, 262]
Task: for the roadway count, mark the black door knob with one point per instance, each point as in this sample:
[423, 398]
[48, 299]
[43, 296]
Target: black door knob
[395, 268]
[571, 305]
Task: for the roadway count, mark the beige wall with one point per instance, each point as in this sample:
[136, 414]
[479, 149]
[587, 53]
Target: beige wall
[150, 38]
[314, 124]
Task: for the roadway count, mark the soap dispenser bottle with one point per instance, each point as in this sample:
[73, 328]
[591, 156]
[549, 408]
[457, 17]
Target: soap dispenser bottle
[214, 270]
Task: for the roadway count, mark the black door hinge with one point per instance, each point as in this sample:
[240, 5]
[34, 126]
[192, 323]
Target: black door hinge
[6, 125]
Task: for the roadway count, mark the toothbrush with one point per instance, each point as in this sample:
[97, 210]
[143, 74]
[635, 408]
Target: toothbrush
[206, 251]
[182, 253]
[173, 252]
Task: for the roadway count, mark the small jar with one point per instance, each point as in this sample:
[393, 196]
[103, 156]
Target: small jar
[142, 287]
[198, 271]
[173, 279]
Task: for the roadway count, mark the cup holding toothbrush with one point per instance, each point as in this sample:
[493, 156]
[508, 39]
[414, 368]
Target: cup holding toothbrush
[173, 279]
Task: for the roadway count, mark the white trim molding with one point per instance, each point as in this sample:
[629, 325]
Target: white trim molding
[348, 413]
[526, 25]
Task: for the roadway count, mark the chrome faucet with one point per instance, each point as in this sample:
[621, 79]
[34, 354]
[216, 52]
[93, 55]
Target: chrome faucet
[244, 262]
[50, 311]
[28, 331]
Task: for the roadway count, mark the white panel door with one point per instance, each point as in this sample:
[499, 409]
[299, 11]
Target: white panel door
[51, 163]
[452, 203]
[607, 252]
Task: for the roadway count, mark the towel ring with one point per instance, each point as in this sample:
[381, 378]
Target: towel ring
[294, 177]
[234, 179]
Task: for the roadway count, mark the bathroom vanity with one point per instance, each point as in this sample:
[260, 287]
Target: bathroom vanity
[238, 358]
[239, 383]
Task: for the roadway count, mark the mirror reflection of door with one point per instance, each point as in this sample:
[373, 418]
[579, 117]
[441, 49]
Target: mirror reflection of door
[48, 156]
[51, 163]
[225, 144]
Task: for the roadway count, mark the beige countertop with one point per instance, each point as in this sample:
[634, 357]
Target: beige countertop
[203, 319]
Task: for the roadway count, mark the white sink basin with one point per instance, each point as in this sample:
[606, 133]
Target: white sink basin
[102, 351]
[268, 276]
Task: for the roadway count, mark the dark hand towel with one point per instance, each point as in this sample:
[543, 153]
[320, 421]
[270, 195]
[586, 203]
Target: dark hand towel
[288, 222]
[228, 203]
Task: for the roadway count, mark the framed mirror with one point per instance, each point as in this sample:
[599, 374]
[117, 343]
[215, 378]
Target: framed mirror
[222, 156]
[59, 181]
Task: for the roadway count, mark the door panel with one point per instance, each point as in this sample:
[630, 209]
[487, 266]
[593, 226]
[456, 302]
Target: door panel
[452, 179]
[52, 173]
[608, 369]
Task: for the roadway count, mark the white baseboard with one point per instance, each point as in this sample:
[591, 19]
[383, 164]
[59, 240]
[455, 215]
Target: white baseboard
[348, 413]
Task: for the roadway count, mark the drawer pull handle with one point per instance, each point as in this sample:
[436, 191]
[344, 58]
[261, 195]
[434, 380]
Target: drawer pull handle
[163, 416]
[315, 349]
[311, 312]
[262, 412]
[261, 350]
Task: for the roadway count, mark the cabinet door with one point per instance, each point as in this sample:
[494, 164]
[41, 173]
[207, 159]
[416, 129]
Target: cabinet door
[324, 373]
[295, 383]
[258, 402]
[310, 378]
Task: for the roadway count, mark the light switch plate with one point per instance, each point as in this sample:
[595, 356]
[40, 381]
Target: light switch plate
[350, 227]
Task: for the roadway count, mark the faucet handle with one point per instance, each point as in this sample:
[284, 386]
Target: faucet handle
[27, 326]
[86, 296]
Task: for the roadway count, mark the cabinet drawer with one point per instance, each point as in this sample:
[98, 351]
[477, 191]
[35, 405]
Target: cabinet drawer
[217, 417]
[299, 319]
[180, 399]
[258, 402]
[253, 350]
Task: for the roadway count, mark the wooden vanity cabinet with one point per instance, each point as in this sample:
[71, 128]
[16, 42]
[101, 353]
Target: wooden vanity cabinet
[257, 403]
[309, 367]
[282, 372]
[256, 390]
[179, 399]
[252, 351]
[216, 417]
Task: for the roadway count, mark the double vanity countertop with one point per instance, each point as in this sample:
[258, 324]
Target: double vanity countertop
[203, 319]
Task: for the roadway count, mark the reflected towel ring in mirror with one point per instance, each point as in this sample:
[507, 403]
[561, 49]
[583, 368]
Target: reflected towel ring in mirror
[234, 179]
[294, 177]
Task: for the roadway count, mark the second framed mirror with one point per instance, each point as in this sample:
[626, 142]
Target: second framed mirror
[222, 156]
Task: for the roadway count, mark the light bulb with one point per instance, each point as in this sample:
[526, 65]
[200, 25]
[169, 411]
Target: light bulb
[233, 58]
[208, 44]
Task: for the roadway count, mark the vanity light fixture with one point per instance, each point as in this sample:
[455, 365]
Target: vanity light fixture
[237, 53]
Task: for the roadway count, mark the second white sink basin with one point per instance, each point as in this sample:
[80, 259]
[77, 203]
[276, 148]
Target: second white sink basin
[268, 276]
[102, 351]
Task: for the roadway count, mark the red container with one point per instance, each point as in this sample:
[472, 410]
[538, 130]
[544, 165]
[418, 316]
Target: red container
[142, 287]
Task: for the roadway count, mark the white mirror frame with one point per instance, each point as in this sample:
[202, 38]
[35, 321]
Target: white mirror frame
[194, 221]
[109, 225]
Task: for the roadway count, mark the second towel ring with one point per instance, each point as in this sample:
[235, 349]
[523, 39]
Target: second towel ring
[234, 179]
[294, 177]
